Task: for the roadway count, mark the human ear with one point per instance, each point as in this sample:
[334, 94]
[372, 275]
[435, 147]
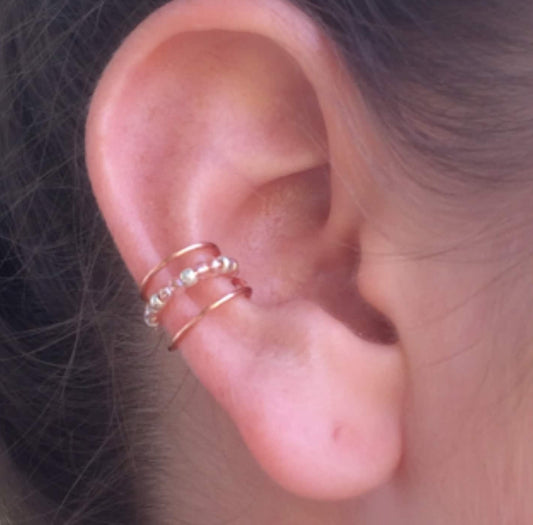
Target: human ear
[219, 121]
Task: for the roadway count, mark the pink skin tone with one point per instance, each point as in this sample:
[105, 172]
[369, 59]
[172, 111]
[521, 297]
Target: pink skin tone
[235, 122]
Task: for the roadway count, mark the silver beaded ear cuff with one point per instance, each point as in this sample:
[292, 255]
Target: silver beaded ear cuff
[188, 278]
[219, 265]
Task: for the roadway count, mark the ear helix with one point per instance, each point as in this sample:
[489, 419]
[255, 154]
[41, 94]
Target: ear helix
[218, 266]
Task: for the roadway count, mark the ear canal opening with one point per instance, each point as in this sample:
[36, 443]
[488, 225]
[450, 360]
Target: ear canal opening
[373, 326]
[338, 294]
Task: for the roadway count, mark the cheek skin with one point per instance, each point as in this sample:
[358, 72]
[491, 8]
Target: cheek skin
[458, 322]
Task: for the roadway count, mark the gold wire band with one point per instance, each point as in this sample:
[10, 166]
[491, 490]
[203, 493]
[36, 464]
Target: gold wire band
[246, 290]
[172, 257]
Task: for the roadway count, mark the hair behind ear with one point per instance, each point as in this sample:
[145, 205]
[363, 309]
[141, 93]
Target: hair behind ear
[67, 318]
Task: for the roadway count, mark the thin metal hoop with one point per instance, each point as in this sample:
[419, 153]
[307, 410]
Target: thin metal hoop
[172, 257]
[243, 290]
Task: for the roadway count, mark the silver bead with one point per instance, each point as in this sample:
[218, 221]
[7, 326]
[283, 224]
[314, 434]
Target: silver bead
[150, 317]
[225, 264]
[234, 268]
[155, 302]
[188, 277]
[216, 265]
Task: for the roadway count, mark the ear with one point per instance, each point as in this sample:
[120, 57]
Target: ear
[219, 121]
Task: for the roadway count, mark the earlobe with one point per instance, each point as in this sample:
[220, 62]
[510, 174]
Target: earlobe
[216, 121]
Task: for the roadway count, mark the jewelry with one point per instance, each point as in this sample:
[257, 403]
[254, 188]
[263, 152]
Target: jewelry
[172, 257]
[188, 277]
[220, 265]
[242, 289]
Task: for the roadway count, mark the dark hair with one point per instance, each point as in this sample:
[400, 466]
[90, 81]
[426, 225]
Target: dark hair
[450, 80]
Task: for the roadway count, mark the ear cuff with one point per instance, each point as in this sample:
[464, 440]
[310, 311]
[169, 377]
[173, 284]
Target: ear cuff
[218, 265]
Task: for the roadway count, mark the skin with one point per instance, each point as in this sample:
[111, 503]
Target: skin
[290, 415]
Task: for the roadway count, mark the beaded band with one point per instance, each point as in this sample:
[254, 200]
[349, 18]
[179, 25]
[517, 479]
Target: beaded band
[188, 277]
[219, 266]
[172, 257]
[242, 290]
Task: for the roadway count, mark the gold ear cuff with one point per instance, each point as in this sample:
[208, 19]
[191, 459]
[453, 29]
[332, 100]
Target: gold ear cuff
[218, 265]
[242, 289]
